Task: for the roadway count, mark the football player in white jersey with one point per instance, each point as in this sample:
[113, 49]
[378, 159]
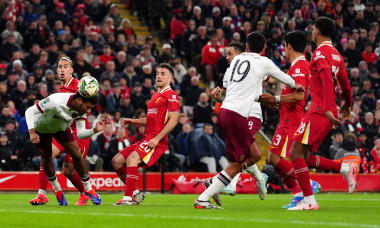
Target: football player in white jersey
[52, 117]
[243, 82]
[234, 49]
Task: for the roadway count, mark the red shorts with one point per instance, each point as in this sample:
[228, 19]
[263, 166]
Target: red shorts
[254, 125]
[83, 144]
[237, 135]
[44, 146]
[312, 130]
[148, 156]
[282, 140]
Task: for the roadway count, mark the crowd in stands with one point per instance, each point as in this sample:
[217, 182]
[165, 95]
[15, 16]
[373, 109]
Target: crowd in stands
[36, 33]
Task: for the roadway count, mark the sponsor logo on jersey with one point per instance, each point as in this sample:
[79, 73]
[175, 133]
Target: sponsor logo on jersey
[158, 100]
[335, 57]
[174, 99]
[152, 111]
[60, 118]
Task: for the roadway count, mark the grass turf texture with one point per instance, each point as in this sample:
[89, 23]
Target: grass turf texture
[336, 210]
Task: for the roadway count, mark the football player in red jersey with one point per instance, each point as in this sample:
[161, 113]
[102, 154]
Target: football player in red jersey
[161, 118]
[326, 71]
[291, 113]
[69, 85]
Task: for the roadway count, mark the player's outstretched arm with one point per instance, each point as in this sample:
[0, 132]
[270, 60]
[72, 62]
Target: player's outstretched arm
[173, 120]
[129, 121]
[276, 73]
[83, 133]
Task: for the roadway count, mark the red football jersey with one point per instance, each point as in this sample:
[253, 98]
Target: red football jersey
[326, 56]
[158, 112]
[291, 113]
[70, 87]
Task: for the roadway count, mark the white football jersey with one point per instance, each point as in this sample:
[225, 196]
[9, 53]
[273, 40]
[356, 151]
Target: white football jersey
[243, 81]
[55, 113]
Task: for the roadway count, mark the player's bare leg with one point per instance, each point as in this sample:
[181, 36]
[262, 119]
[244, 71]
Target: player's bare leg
[43, 181]
[120, 165]
[80, 166]
[70, 173]
[222, 180]
[47, 164]
[131, 194]
[261, 178]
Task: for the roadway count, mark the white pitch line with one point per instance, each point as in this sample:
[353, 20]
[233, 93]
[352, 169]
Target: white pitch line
[333, 224]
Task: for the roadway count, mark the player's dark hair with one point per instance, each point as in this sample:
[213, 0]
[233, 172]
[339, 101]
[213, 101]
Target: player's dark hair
[239, 47]
[167, 66]
[297, 39]
[93, 100]
[326, 26]
[256, 42]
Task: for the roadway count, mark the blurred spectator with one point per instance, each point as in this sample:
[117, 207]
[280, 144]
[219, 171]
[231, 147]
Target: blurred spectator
[126, 107]
[103, 141]
[347, 152]
[182, 145]
[360, 22]
[368, 55]
[166, 53]
[114, 14]
[369, 126]
[59, 14]
[193, 92]
[202, 110]
[9, 47]
[104, 114]
[375, 153]
[352, 54]
[110, 72]
[177, 26]
[11, 29]
[114, 99]
[137, 98]
[336, 143]
[350, 125]
[212, 51]
[117, 144]
[5, 153]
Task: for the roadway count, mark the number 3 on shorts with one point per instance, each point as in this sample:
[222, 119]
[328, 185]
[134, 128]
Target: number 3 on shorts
[278, 139]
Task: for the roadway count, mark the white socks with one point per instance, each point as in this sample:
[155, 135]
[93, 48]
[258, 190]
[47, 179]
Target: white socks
[254, 170]
[87, 185]
[235, 180]
[310, 200]
[41, 191]
[345, 169]
[53, 181]
[218, 183]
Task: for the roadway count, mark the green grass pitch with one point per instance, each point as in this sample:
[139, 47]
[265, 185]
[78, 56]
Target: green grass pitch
[336, 210]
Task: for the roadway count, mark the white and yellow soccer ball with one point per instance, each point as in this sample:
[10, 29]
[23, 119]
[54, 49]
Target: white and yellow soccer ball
[88, 87]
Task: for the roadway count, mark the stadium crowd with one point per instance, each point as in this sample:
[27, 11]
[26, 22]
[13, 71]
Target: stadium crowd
[36, 33]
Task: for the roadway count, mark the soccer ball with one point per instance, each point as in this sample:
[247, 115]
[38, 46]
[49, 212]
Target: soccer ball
[88, 87]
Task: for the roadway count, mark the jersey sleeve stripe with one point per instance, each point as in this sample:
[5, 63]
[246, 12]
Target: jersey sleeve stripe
[39, 108]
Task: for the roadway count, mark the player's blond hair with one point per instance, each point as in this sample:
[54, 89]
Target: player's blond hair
[67, 58]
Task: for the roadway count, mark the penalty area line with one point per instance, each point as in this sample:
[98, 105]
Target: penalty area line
[269, 221]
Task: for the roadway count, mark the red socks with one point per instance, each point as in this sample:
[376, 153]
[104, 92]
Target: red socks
[42, 179]
[77, 182]
[132, 177]
[302, 174]
[122, 173]
[287, 175]
[322, 163]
